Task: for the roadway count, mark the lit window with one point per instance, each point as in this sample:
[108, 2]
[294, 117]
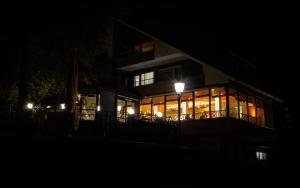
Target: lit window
[136, 81]
[144, 47]
[143, 79]
[261, 156]
[147, 47]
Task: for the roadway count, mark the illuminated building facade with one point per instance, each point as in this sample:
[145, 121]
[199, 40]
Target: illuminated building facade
[217, 110]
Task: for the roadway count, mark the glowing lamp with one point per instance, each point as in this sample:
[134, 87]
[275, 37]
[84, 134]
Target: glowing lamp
[29, 105]
[179, 87]
[63, 106]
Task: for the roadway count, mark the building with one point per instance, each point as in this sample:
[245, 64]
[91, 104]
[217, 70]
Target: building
[223, 116]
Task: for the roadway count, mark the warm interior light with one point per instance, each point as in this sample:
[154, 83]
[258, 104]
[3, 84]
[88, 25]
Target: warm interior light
[29, 105]
[183, 106]
[159, 114]
[217, 104]
[48, 107]
[179, 87]
[130, 111]
[119, 108]
[98, 108]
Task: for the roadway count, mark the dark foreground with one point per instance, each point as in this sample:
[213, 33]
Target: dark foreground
[102, 161]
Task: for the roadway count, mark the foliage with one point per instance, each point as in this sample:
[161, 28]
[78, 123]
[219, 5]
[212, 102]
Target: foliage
[50, 44]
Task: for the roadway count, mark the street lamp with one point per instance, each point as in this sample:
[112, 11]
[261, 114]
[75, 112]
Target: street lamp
[179, 87]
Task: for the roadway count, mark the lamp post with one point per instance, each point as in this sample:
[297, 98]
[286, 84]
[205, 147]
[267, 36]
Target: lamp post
[179, 87]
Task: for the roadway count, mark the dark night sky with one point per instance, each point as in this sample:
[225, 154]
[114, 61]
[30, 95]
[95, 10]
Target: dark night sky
[262, 34]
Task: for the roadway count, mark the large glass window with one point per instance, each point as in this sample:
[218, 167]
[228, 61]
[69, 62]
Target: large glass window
[206, 104]
[201, 104]
[126, 108]
[158, 109]
[145, 108]
[130, 108]
[243, 106]
[172, 107]
[218, 102]
[260, 113]
[252, 109]
[233, 103]
[121, 111]
[187, 106]
[88, 107]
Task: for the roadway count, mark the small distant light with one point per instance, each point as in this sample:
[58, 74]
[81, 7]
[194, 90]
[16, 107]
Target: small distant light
[63, 106]
[119, 108]
[29, 105]
[130, 111]
[98, 108]
[48, 107]
[159, 114]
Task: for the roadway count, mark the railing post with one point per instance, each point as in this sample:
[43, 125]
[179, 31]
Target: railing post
[193, 105]
[227, 101]
[209, 101]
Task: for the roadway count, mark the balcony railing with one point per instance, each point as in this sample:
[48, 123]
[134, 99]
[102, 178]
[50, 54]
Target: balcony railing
[172, 117]
[218, 114]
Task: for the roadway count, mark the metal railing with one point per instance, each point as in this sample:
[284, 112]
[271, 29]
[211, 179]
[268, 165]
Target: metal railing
[219, 113]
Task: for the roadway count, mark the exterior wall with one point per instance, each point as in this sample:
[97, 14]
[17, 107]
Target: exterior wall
[213, 76]
[107, 101]
[164, 78]
[162, 50]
